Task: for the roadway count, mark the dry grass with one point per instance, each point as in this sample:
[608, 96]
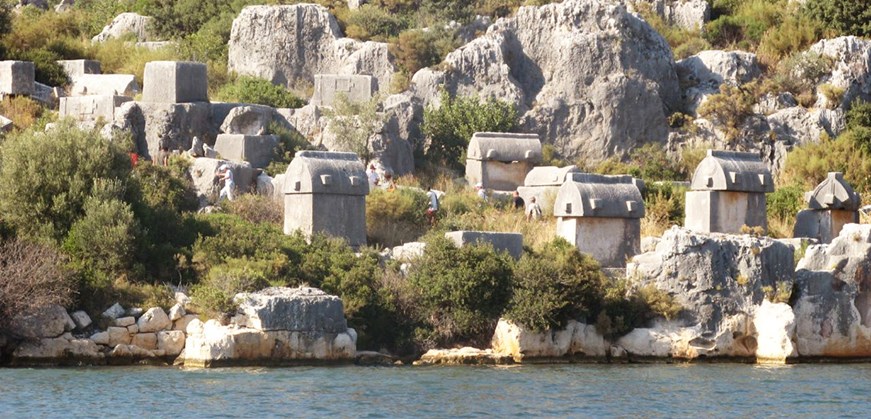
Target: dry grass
[23, 111]
[256, 209]
[780, 228]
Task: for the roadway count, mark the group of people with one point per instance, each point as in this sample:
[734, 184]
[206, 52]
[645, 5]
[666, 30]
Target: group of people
[532, 210]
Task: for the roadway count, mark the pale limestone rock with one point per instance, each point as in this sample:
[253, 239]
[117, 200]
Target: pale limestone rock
[145, 340]
[195, 327]
[123, 24]
[131, 351]
[133, 329]
[182, 323]
[587, 76]
[850, 70]
[248, 120]
[775, 329]
[296, 309]
[833, 298]
[100, 338]
[114, 312]
[290, 44]
[153, 320]
[81, 319]
[463, 356]
[687, 14]
[176, 312]
[703, 73]
[125, 321]
[171, 342]
[202, 172]
[797, 125]
[54, 350]
[118, 336]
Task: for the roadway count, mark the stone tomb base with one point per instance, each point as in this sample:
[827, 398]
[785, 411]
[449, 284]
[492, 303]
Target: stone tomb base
[724, 212]
[611, 241]
[823, 225]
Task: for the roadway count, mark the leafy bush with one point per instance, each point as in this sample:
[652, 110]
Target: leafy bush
[289, 142]
[664, 206]
[450, 126]
[809, 164]
[848, 17]
[729, 108]
[395, 217]
[649, 162]
[246, 89]
[415, 49]
[215, 293]
[51, 188]
[33, 277]
[101, 244]
[799, 74]
[460, 292]
[256, 209]
[118, 56]
[859, 115]
[372, 22]
[796, 33]
[555, 285]
[683, 42]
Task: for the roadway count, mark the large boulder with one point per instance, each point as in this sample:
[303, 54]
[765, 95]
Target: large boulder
[56, 351]
[290, 44]
[797, 125]
[720, 281]
[206, 183]
[273, 327]
[576, 339]
[170, 124]
[123, 24]
[833, 296]
[702, 74]
[155, 319]
[248, 120]
[46, 322]
[295, 309]
[850, 69]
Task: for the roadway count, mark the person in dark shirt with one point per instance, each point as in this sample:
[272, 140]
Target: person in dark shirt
[518, 201]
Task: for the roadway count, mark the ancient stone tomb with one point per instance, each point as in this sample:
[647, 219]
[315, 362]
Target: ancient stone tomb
[728, 192]
[17, 78]
[543, 183]
[501, 242]
[601, 215]
[356, 88]
[831, 205]
[325, 192]
[501, 161]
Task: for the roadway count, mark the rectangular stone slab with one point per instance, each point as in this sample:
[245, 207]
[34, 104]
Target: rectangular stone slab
[17, 77]
[255, 149]
[175, 82]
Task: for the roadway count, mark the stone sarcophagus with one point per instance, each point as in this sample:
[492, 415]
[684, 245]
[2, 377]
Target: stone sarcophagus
[728, 192]
[175, 82]
[325, 192]
[543, 183]
[501, 161]
[17, 78]
[831, 205]
[355, 88]
[601, 216]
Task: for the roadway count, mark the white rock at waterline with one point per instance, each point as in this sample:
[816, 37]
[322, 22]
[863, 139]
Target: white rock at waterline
[153, 320]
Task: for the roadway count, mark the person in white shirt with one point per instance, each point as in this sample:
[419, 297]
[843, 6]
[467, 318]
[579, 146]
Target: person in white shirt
[229, 185]
[533, 210]
[373, 177]
[482, 193]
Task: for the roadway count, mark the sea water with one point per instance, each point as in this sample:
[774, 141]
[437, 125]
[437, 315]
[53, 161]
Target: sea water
[572, 390]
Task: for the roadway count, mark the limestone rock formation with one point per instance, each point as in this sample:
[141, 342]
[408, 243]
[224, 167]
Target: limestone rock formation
[587, 75]
[797, 125]
[690, 14]
[153, 320]
[248, 120]
[206, 185]
[123, 24]
[274, 326]
[576, 339]
[47, 322]
[833, 296]
[720, 281]
[775, 333]
[850, 70]
[703, 73]
[290, 44]
[56, 351]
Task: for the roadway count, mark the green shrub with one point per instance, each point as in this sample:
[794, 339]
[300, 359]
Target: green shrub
[289, 142]
[729, 108]
[796, 33]
[102, 242]
[683, 42]
[847, 17]
[415, 49]
[21, 110]
[247, 89]
[461, 292]
[555, 285]
[859, 115]
[117, 56]
[256, 209]
[450, 126]
[649, 162]
[809, 164]
[215, 293]
[395, 217]
[372, 22]
[799, 74]
[50, 187]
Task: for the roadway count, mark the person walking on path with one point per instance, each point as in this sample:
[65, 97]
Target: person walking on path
[433, 208]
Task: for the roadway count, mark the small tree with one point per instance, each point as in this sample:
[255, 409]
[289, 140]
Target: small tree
[354, 124]
[31, 276]
[450, 126]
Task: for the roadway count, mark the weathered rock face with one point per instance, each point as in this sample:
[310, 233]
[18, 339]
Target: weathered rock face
[290, 44]
[691, 15]
[833, 296]
[274, 326]
[123, 24]
[56, 351]
[248, 120]
[775, 333]
[587, 75]
[797, 125]
[153, 320]
[206, 184]
[577, 339]
[851, 69]
[47, 322]
[720, 280]
[703, 73]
